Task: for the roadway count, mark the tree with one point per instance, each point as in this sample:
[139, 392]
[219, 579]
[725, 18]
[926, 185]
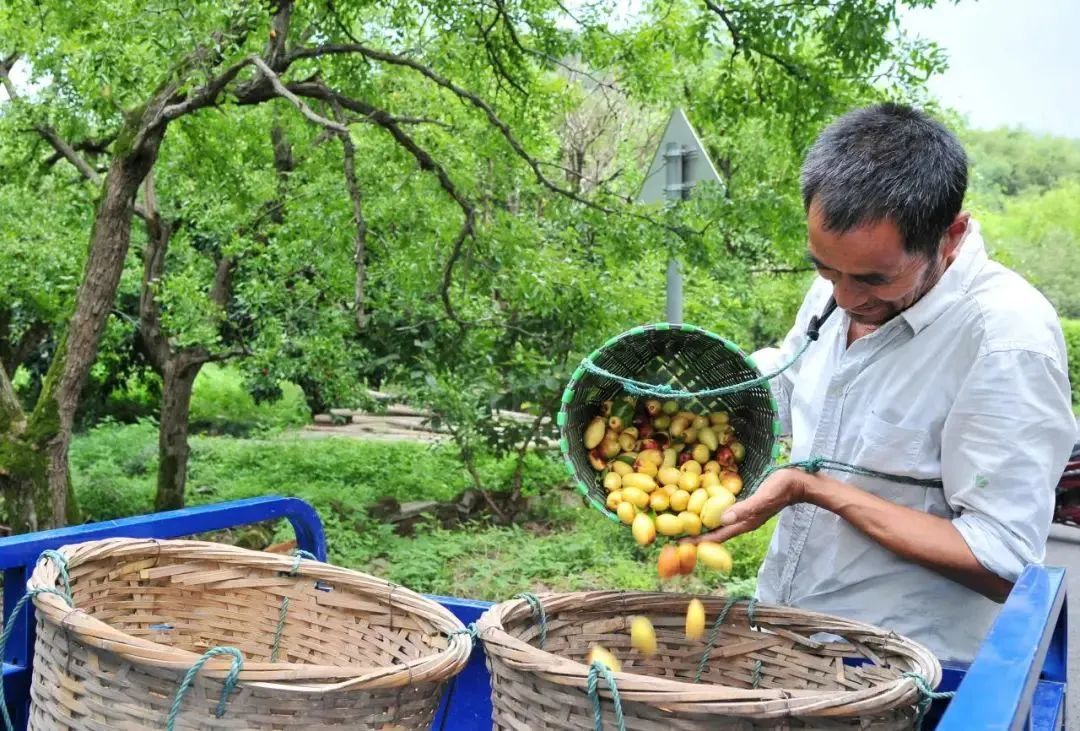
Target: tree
[473, 267]
[206, 55]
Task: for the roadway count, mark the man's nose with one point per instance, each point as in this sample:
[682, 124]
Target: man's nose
[849, 295]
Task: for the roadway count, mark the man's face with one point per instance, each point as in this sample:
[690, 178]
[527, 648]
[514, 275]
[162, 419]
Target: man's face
[873, 277]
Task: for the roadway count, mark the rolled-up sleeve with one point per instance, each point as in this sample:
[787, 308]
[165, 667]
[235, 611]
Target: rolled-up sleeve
[1004, 445]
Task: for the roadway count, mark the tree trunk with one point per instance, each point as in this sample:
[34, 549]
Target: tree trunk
[49, 427]
[179, 380]
[22, 467]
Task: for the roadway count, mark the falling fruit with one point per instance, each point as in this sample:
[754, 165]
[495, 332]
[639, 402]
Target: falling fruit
[643, 636]
[695, 620]
[602, 656]
[715, 556]
[687, 553]
[668, 563]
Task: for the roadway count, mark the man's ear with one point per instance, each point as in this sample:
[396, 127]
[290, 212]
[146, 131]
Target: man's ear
[954, 234]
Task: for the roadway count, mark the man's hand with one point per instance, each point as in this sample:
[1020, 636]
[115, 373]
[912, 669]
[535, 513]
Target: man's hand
[780, 489]
[928, 540]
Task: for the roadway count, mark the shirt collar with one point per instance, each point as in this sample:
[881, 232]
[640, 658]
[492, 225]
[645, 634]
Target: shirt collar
[953, 283]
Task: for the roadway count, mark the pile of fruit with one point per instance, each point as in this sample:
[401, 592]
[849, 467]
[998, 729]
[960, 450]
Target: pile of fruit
[643, 636]
[667, 470]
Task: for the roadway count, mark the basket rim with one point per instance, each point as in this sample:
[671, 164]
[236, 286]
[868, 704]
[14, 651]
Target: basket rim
[685, 696]
[435, 666]
[561, 416]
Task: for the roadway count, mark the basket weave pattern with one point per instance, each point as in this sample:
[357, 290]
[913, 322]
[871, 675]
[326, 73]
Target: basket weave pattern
[683, 357]
[355, 651]
[801, 683]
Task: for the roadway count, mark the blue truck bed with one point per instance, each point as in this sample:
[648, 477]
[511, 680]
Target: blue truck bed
[1017, 681]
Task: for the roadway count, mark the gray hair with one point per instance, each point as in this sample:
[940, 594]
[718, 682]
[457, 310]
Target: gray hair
[888, 162]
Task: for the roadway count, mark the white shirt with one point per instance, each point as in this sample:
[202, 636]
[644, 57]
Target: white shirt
[968, 385]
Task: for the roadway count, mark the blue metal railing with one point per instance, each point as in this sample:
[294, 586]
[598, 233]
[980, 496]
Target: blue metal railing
[1018, 679]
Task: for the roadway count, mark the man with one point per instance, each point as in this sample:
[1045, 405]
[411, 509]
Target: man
[938, 364]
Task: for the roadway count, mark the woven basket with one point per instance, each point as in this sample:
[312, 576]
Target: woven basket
[801, 683]
[683, 357]
[354, 652]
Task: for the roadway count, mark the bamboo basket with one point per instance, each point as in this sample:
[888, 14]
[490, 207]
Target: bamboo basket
[683, 357]
[770, 673]
[353, 651]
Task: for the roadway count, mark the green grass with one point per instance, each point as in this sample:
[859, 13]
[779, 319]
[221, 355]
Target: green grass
[221, 405]
[560, 545]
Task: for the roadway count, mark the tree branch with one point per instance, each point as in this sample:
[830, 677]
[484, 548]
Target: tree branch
[5, 75]
[221, 288]
[11, 411]
[465, 95]
[318, 90]
[158, 234]
[360, 238]
[62, 148]
[473, 99]
[282, 91]
[96, 147]
[740, 43]
[279, 32]
[31, 338]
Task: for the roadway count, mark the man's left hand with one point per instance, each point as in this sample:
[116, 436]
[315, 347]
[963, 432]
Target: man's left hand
[780, 489]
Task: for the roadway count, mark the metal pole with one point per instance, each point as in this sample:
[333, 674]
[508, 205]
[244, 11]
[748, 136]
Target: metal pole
[675, 173]
[674, 291]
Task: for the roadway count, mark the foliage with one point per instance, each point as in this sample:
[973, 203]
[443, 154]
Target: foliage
[560, 544]
[1008, 163]
[1038, 234]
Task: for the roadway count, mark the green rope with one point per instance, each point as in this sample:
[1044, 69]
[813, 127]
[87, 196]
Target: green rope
[65, 580]
[189, 678]
[662, 390]
[595, 671]
[927, 696]
[283, 611]
[814, 465]
[714, 633]
[538, 611]
[10, 625]
[755, 677]
[61, 566]
[469, 629]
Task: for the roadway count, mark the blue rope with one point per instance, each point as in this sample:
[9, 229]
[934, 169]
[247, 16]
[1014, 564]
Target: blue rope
[229, 685]
[538, 611]
[596, 669]
[662, 390]
[927, 696]
[283, 611]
